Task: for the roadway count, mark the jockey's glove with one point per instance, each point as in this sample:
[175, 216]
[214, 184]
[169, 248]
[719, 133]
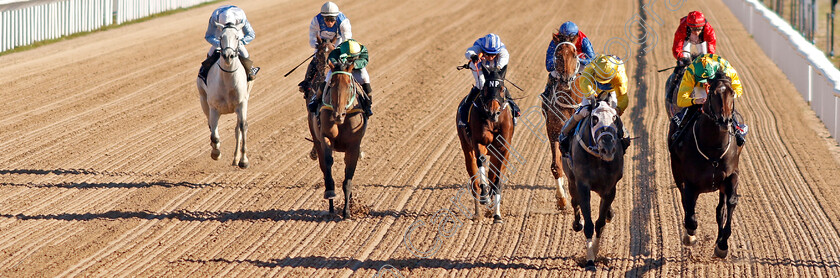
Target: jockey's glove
[474, 58]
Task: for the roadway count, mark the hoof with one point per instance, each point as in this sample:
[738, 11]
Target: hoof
[346, 215]
[215, 154]
[313, 154]
[483, 200]
[497, 219]
[362, 155]
[721, 253]
[244, 164]
[689, 240]
[329, 194]
[576, 226]
[590, 266]
[609, 216]
[561, 203]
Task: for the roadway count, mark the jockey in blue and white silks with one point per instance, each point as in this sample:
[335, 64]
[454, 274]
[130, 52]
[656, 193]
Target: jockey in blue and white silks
[330, 25]
[487, 51]
[229, 14]
[568, 32]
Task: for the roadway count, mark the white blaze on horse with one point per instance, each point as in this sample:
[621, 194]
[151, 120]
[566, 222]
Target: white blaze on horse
[226, 91]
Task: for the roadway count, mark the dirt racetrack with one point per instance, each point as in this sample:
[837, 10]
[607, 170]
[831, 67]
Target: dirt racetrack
[105, 167]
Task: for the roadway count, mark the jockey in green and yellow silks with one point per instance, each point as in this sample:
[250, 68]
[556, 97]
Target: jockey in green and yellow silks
[692, 91]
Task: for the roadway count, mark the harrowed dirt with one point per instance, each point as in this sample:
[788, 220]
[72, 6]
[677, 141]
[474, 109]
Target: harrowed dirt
[106, 168]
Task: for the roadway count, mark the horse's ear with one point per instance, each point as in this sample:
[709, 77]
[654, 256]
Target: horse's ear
[240, 25]
[503, 72]
[219, 25]
[484, 70]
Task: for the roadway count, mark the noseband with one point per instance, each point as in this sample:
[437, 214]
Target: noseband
[234, 49]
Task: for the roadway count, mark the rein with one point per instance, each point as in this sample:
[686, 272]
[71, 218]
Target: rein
[235, 51]
[353, 93]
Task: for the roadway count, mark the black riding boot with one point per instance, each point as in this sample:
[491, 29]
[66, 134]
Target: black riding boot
[249, 67]
[304, 85]
[570, 124]
[688, 115]
[206, 64]
[463, 110]
[740, 131]
[314, 103]
[622, 134]
[513, 106]
[368, 102]
[548, 87]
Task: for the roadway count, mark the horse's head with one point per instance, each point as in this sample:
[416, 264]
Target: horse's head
[604, 130]
[342, 94]
[229, 41]
[566, 63]
[720, 102]
[492, 97]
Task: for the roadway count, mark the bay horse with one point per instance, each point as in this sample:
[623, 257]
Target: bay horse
[226, 91]
[341, 125]
[595, 162]
[318, 72]
[705, 159]
[489, 126]
[557, 107]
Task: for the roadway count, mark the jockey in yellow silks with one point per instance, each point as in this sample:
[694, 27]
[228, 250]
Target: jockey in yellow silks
[694, 85]
[604, 75]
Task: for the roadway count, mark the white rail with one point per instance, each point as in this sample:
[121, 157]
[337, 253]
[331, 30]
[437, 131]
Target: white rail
[813, 75]
[24, 23]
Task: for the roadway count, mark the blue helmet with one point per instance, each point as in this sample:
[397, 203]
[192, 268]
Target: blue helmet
[492, 44]
[568, 29]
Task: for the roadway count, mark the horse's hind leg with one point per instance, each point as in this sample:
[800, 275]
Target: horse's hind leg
[213, 124]
[588, 226]
[604, 216]
[726, 206]
[239, 157]
[557, 170]
[351, 158]
[689, 202]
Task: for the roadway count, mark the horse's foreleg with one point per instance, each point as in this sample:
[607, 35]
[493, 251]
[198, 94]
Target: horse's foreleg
[326, 168]
[588, 226]
[557, 170]
[480, 158]
[604, 216]
[213, 124]
[239, 157]
[729, 199]
[351, 157]
[689, 202]
[497, 165]
[472, 171]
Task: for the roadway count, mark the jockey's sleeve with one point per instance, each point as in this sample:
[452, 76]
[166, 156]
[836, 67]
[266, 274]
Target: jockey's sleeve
[736, 81]
[679, 39]
[686, 87]
[210, 35]
[504, 57]
[346, 30]
[619, 83]
[549, 56]
[709, 37]
[314, 29]
[361, 61]
[584, 83]
[587, 50]
[474, 49]
[248, 31]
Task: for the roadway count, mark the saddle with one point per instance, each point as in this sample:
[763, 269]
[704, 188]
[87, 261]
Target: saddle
[205, 66]
[683, 119]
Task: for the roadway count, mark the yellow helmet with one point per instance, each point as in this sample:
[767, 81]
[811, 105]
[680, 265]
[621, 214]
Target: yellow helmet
[351, 48]
[606, 67]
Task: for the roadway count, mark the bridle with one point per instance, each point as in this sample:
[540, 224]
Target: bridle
[234, 49]
[563, 79]
[608, 130]
[715, 94]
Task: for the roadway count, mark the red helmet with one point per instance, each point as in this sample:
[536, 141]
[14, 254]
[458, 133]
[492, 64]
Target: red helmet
[696, 19]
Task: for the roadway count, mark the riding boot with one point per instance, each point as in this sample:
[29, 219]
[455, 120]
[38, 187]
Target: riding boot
[516, 112]
[740, 132]
[206, 64]
[565, 137]
[622, 134]
[249, 67]
[687, 116]
[463, 109]
[304, 85]
[368, 100]
[548, 87]
[315, 102]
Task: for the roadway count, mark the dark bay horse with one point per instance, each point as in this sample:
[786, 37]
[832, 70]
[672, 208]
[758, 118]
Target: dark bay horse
[705, 159]
[558, 106]
[318, 73]
[341, 127]
[595, 163]
[489, 127]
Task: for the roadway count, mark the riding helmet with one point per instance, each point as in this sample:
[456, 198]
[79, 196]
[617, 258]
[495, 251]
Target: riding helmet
[606, 67]
[568, 28]
[696, 19]
[492, 44]
[351, 47]
[329, 9]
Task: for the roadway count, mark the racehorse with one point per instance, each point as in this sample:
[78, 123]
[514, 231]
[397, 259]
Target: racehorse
[341, 127]
[317, 85]
[558, 107]
[705, 159]
[595, 163]
[489, 127]
[225, 92]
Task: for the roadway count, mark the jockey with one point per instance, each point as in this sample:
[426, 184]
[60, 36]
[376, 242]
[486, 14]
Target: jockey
[568, 32]
[693, 90]
[487, 51]
[349, 50]
[228, 14]
[609, 77]
[693, 30]
[330, 25]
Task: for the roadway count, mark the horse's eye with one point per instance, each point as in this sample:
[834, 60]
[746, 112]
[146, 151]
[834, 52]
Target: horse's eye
[594, 120]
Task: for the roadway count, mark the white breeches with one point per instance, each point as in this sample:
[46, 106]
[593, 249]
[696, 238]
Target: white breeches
[361, 76]
[612, 101]
[701, 48]
[242, 51]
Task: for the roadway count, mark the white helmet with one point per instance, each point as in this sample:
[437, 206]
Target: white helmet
[329, 9]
